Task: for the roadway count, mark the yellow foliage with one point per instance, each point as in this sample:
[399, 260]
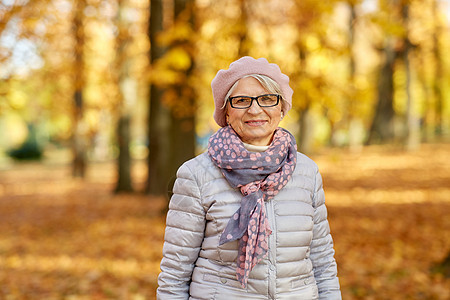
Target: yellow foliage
[178, 59]
[17, 99]
[14, 130]
[170, 69]
[181, 31]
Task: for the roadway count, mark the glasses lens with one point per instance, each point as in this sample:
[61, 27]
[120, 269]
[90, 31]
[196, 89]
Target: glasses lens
[241, 102]
[263, 101]
[268, 100]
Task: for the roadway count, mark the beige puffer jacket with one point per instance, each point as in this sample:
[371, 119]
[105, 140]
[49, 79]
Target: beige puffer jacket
[299, 264]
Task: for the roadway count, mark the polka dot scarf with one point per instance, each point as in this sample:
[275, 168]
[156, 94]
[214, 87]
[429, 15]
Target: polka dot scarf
[259, 176]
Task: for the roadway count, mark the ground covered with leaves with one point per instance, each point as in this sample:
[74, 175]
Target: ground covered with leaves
[62, 238]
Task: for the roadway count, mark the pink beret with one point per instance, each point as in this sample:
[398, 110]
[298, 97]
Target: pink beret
[246, 65]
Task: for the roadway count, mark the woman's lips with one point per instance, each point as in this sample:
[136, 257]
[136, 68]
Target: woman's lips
[256, 122]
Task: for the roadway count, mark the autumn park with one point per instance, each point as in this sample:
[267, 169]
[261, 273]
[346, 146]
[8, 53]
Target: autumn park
[102, 100]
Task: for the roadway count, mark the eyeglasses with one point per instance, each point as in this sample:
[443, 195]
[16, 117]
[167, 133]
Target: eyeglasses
[242, 102]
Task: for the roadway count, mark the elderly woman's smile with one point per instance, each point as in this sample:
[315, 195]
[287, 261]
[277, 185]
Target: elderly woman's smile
[254, 125]
[256, 122]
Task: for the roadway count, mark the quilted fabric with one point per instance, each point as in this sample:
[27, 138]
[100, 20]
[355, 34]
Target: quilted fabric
[300, 263]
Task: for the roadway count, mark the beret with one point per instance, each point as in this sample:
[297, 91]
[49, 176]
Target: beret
[246, 65]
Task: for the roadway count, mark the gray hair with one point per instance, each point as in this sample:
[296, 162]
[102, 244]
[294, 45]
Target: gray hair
[268, 84]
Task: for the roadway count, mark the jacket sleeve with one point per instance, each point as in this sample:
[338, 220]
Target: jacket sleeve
[185, 225]
[322, 252]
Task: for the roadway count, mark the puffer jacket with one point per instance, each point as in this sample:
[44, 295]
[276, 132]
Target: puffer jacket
[300, 263]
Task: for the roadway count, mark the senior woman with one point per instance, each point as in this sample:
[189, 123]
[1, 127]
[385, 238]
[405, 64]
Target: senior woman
[247, 219]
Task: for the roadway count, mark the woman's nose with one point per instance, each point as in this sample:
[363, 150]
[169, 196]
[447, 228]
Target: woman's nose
[254, 108]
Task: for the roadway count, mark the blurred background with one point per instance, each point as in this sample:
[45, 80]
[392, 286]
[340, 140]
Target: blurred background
[102, 100]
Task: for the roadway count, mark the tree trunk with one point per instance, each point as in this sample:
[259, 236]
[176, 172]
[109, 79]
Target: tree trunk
[354, 139]
[244, 42]
[428, 132]
[79, 139]
[438, 77]
[124, 161]
[413, 126]
[182, 115]
[159, 122]
[127, 99]
[182, 145]
[305, 140]
[382, 129]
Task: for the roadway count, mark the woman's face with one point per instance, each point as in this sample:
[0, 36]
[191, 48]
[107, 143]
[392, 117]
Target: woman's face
[254, 125]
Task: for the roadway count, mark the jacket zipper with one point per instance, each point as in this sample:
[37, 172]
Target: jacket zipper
[272, 250]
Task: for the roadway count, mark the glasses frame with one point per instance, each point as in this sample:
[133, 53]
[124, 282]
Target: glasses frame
[254, 98]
